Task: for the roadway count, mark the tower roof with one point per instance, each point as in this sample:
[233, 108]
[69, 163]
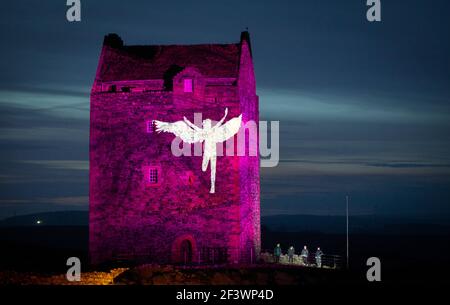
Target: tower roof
[122, 62]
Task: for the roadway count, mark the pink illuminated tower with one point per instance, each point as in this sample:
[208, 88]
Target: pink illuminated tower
[147, 205]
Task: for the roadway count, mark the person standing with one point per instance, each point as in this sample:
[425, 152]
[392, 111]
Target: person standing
[319, 254]
[305, 254]
[277, 253]
[291, 253]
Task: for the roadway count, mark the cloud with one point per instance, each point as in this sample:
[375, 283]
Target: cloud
[82, 165]
[14, 201]
[53, 103]
[290, 168]
[353, 115]
[38, 173]
[302, 105]
[58, 201]
[75, 200]
[406, 164]
[41, 134]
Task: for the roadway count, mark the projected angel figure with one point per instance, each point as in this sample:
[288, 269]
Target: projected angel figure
[212, 135]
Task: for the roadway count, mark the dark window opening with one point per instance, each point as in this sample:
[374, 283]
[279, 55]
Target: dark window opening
[186, 252]
[214, 255]
[153, 176]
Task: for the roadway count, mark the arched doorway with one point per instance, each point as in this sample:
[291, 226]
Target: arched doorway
[186, 251]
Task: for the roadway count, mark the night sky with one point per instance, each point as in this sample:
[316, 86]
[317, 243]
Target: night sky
[364, 108]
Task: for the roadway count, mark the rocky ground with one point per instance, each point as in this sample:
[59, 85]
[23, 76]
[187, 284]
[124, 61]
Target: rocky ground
[172, 275]
[253, 275]
[234, 275]
[32, 278]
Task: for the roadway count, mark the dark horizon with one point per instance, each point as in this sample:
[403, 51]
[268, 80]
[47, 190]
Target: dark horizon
[363, 107]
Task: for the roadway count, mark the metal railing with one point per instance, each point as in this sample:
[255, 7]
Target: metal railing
[222, 256]
[325, 261]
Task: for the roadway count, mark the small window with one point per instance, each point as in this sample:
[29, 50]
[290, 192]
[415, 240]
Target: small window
[151, 126]
[188, 85]
[153, 177]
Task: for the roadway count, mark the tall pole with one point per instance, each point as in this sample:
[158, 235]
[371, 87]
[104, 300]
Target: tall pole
[346, 199]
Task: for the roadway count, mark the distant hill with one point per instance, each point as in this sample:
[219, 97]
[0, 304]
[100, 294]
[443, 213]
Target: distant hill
[65, 218]
[275, 223]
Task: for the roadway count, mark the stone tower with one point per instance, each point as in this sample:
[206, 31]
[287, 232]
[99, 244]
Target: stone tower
[147, 205]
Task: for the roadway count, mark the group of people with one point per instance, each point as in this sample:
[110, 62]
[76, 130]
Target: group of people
[303, 255]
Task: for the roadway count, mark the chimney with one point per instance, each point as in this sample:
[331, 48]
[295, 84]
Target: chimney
[113, 40]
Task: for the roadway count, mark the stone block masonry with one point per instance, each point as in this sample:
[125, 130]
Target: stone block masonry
[147, 205]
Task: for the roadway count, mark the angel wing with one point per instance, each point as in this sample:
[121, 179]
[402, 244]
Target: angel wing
[228, 129]
[180, 129]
